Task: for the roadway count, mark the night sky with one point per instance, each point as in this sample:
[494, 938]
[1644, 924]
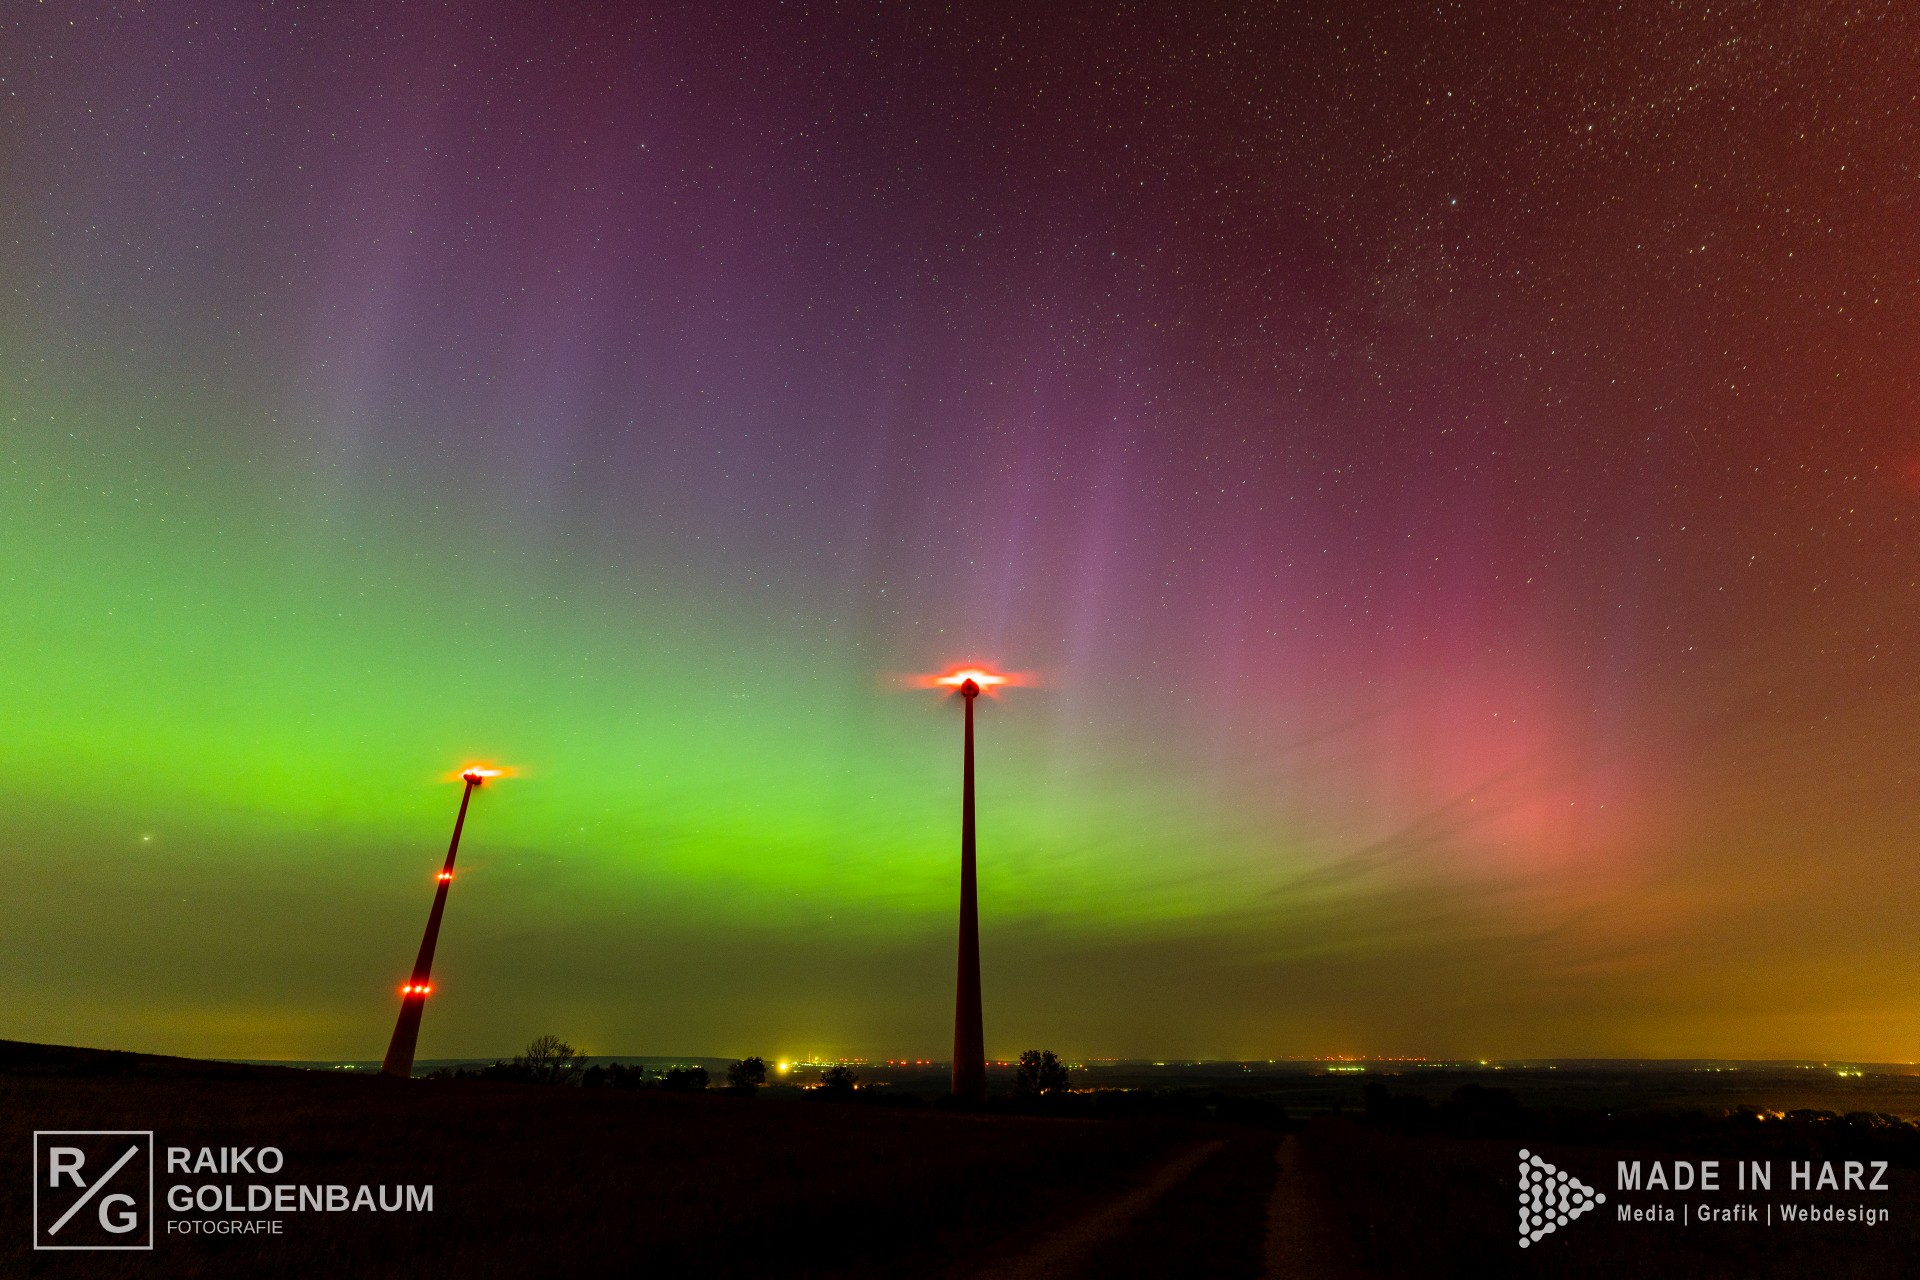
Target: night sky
[1453, 473]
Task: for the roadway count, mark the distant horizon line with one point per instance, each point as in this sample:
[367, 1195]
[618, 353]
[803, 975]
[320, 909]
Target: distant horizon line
[1168, 1063]
[1334, 1061]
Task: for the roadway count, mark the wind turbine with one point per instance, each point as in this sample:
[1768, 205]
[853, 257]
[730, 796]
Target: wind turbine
[416, 989]
[969, 1035]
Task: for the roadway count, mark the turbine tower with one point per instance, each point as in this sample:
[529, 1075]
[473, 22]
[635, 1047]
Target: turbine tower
[413, 995]
[969, 1032]
[969, 1035]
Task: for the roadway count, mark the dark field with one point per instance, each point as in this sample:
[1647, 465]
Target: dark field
[1199, 1171]
[1307, 1089]
[529, 1177]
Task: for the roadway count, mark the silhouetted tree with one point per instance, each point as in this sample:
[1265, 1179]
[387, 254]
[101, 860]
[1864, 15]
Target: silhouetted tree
[1039, 1072]
[551, 1060]
[1811, 1115]
[614, 1075]
[747, 1074]
[504, 1069]
[684, 1078]
[839, 1080]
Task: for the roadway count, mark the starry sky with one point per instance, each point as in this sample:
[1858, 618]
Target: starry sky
[1451, 473]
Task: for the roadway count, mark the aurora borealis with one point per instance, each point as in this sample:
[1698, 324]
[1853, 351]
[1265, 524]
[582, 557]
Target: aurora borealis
[1452, 471]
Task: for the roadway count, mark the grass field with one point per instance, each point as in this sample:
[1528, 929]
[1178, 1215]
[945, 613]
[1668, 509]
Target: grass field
[1412, 1180]
[629, 1182]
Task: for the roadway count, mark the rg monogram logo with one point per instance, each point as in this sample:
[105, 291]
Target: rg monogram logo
[93, 1189]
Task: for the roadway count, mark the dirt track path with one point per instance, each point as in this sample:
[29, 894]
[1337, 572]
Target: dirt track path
[1302, 1242]
[1061, 1255]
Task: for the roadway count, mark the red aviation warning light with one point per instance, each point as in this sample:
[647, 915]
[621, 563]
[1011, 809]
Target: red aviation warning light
[981, 679]
[971, 675]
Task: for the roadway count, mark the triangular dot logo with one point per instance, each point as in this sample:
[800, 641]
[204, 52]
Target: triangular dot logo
[1550, 1198]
